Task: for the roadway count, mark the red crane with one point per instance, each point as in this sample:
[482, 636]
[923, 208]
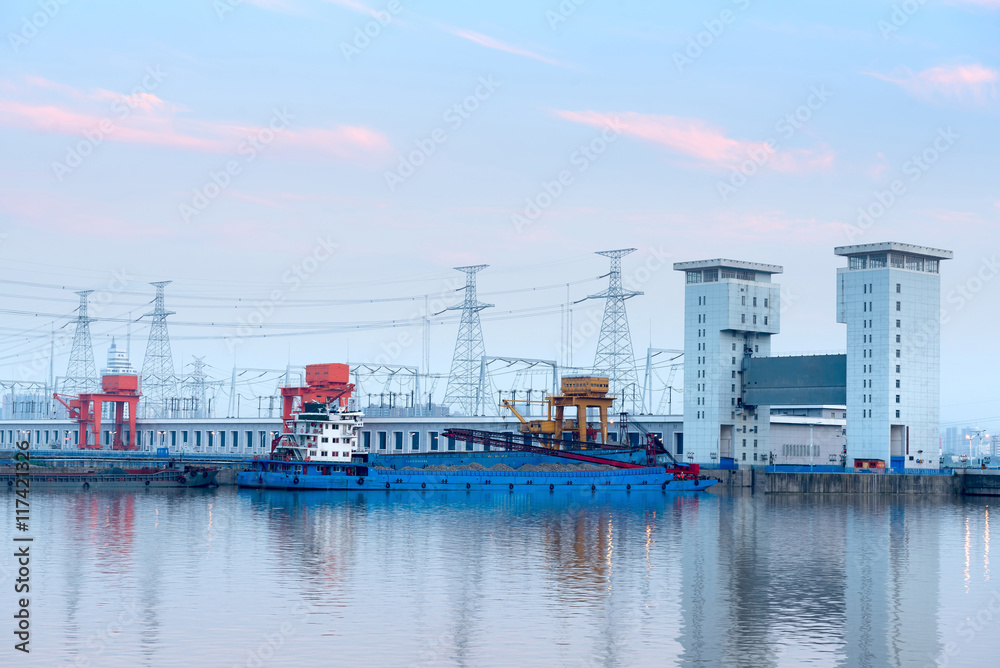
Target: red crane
[87, 408]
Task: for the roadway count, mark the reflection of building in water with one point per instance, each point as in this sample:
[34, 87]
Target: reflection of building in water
[703, 585]
[795, 580]
[892, 583]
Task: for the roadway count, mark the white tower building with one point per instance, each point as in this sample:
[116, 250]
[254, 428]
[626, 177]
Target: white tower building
[731, 310]
[118, 362]
[889, 296]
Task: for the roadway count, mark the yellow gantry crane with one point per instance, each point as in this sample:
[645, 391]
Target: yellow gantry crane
[579, 392]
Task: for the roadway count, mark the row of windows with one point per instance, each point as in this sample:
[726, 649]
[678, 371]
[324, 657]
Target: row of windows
[893, 260]
[867, 368]
[868, 323]
[150, 438]
[743, 301]
[869, 287]
[712, 275]
[743, 319]
[868, 383]
[867, 412]
[413, 438]
[867, 338]
[867, 352]
[799, 450]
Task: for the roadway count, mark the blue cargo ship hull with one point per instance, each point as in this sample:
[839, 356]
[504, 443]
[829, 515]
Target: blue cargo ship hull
[367, 478]
[490, 458]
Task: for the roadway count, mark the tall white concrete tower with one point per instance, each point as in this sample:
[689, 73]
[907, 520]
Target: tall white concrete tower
[731, 310]
[889, 296]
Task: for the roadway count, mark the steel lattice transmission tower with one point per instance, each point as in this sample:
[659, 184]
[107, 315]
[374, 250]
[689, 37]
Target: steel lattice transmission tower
[614, 357]
[81, 374]
[197, 379]
[463, 381]
[159, 384]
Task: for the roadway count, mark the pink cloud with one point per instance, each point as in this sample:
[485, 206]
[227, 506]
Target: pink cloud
[291, 7]
[878, 169]
[962, 82]
[345, 141]
[275, 5]
[965, 218]
[144, 118]
[355, 6]
[698, 139]
[70, 217]
[492, 43]
[775, 224]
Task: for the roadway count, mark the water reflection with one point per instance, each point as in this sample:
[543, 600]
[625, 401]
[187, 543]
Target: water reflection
[486, 578]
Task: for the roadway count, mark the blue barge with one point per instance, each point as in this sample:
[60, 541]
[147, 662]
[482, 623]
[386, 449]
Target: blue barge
[281, 474]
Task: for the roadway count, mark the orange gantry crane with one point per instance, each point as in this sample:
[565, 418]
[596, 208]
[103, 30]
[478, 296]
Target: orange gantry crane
[578, 392]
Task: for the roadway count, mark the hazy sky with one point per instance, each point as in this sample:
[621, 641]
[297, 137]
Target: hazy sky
[310, 153]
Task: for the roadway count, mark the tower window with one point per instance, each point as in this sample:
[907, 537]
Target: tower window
[899, 288]
[897, 352]
[899, 306]
[765, 319]
[754, 301]
[897, 413]
[897, 398]
[897, 383]
[897, 338]
[743, 317]
[897, 368]
[765, 302]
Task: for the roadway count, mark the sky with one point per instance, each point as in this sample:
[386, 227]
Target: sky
[316, 168]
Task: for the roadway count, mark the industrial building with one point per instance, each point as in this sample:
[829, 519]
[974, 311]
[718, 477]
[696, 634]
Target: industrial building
[731, 310]
[889, 296]
[875, 406]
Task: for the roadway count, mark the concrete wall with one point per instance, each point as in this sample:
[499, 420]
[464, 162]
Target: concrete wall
[854, 483]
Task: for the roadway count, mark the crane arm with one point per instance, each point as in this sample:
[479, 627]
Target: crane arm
[510, 405]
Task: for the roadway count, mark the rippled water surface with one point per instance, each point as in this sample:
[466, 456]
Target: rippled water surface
[229, 577]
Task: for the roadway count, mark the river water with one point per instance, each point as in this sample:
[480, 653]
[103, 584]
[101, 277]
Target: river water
[228, 577]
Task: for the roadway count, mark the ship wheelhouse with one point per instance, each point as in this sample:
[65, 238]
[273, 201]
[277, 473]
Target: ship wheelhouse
[322, 433]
